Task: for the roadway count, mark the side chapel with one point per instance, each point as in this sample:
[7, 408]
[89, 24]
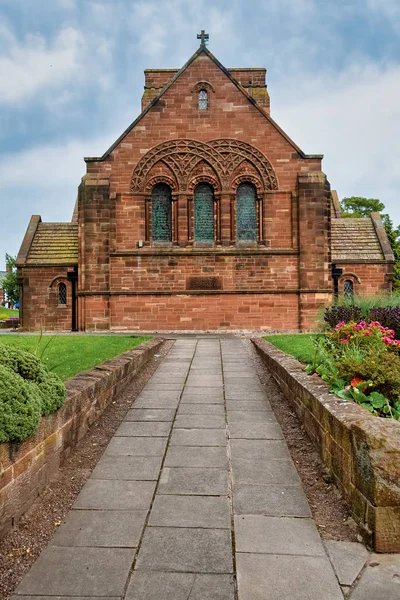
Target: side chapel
[203, 215]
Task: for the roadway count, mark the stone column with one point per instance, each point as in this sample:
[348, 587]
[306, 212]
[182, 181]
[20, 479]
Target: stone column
[314, 252]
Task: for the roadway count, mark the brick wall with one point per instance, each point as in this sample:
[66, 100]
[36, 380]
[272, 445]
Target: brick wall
[362, 452]
[40, 308]
[27, 468]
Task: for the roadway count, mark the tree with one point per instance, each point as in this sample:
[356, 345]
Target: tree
[356, 207]
[9, 283]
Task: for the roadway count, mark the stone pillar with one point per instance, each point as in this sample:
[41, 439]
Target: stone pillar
[94, 240]
[314, 252]
[225, 217]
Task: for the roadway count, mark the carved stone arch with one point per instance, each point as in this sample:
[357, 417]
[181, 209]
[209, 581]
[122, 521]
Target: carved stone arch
[181, 156]
[247, 178]
[203, 85]
[150, 183]
[203, 178]
[349, 275]
[58, 279]
[224, 156]
[234, 152]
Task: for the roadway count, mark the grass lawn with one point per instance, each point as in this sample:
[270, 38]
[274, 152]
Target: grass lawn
[299, 345]
[6, 313]
[69, 355]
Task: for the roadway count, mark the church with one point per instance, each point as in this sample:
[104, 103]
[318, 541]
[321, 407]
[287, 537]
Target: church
[203, 215]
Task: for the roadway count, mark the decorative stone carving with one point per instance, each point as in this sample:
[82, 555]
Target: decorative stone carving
[224, 156]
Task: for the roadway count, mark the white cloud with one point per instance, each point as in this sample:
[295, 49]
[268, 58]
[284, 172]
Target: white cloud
[35, 66]
[353, 118]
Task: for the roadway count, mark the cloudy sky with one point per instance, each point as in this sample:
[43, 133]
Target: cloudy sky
[71, 80]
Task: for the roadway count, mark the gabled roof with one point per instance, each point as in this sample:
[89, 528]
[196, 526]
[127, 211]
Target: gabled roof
[202, 49]
[354, 240]
[53, 243]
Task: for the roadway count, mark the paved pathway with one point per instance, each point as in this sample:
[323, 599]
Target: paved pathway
[195, 498]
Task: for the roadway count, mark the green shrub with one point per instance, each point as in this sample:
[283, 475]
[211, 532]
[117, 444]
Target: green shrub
[20, 406]
[52, 392]
[50, 387]
[22, 362]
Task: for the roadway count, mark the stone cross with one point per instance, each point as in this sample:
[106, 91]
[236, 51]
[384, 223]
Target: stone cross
[203, 36]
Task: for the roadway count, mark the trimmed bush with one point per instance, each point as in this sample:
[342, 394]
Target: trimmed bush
[52, 392]
[23, 362]
[48, 386]
[20, 406]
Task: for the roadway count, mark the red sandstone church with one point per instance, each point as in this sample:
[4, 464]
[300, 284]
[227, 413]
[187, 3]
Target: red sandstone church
[203, 215]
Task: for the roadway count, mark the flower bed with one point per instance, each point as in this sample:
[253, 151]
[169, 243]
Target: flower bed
[361, 362]
[11, 323]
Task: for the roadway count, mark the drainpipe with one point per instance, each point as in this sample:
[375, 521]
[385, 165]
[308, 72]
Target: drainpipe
[336, 273]
[72, 276]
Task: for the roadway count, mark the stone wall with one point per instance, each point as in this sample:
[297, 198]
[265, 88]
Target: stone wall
[26, 468]
[362, 452]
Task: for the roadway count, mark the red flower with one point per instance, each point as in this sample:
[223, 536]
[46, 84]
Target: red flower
[355, 381]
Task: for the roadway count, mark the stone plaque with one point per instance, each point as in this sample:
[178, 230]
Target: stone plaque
[246, 218]
[204, 213]
[203, 283]
[161, 213]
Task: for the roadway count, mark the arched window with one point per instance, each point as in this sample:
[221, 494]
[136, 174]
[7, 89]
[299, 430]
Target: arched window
[62, 293]
[246, 213]
[161, 220]
[348, 290]
[203, 100]
[204, 213]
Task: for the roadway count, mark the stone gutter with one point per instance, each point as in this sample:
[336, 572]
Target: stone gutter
[360, 451]
[27, 467]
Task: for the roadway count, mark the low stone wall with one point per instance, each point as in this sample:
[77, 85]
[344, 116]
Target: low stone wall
[27, 467]
[362, 452]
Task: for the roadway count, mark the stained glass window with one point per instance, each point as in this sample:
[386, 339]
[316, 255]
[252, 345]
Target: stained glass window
[161, 213]
[348, 289]
[203, 100]
[62, 293]
[246, 217]
[204, 213]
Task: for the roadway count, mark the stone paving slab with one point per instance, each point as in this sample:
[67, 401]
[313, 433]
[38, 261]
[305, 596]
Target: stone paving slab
[267, 449]
[257, 416]
[380, 580]
[260, 472]
[249, 405]
[140, 429]
[209, 512]
[163, 387]
[156, 401]
[133, 468]
[235, 393]
[186, 550]
[201, 409]
[255, 431]
[277, 535]
[150, 414]
[271, 577]
[180, 586]
[348, 559]
[100, 528]
[132, 446]
[270, 500]
[198, 437]
[98, 494]
[199, 422]
[211, 456]
[78, 572]
[199, 481]
[189, 397]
